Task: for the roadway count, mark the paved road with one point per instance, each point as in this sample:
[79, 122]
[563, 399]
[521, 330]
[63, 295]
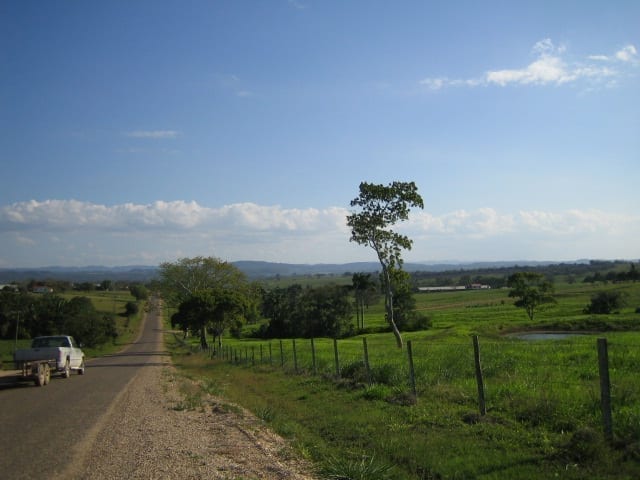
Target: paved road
[41, 427]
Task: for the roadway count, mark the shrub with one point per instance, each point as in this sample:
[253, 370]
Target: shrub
[584, 445]
[605, 303]
[356, 371]
[131, 308]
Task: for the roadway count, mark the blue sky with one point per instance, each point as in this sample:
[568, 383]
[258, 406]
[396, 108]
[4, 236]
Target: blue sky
[141, 132]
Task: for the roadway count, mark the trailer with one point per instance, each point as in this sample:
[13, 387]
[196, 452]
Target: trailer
[49, 355]
[37, 370]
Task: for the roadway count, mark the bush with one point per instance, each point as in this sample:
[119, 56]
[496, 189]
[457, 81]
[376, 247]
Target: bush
[131, 308]
[605, 303]
[356, 371]
[585, 445]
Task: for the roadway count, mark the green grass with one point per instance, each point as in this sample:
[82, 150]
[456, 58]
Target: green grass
[543, 413]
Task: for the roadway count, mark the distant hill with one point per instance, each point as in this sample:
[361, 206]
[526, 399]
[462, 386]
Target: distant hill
[253, 269]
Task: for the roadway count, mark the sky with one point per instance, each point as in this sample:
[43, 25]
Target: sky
[135, 133]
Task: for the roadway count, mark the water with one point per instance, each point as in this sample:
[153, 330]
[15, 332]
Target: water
[546, 335]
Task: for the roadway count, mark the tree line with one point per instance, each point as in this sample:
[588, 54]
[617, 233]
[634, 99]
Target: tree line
[210, 296]
[24, 315]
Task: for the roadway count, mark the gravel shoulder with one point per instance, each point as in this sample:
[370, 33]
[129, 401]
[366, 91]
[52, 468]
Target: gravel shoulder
[154, 430]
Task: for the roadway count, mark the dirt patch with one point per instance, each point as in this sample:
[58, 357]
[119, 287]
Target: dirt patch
[155, 430]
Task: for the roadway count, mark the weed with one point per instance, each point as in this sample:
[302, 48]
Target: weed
[376, 392]
[266, 414]
[364, 468]
[585, 445]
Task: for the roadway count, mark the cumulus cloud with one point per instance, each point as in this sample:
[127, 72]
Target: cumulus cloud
[72, 232]
[160, 215]
[627, 54]
[550, 67]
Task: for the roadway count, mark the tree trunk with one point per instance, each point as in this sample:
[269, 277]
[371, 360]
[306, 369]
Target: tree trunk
[203, 337]
[388, 303]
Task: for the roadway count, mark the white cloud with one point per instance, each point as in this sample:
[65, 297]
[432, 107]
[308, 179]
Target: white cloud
[601, 58]
[547, 69]
[297, 4]
[178, 216]
[550, 67]
[153, 134]
[70, 232]
[627, 54]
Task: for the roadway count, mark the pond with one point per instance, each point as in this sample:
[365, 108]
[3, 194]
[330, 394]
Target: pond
[546, 335]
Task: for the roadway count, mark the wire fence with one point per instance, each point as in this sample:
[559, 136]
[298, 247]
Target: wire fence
[563, 385]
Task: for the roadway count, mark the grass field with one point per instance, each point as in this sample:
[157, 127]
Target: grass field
[543, 415]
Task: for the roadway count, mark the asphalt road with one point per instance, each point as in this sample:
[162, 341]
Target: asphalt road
[41, 428]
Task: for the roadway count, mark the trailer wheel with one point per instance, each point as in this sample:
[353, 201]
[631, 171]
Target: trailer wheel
[81, 368]
[47, 374]
[67, 369]
[39, 380]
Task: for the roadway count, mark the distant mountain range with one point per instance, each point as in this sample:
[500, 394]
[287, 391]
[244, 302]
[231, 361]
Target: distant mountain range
[253, 269]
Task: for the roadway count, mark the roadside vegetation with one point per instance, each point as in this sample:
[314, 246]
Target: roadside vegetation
[103, 321]
[543, 414]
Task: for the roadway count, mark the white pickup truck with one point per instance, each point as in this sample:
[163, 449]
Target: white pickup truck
[47, 355]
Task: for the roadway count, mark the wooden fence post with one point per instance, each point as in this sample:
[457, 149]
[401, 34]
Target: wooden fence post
[261, 356]
[253, 355]
[366, 360]
[313, 357]
[412, 372]
[270, 355]
[479, 380]
[295, 357]
[281, 355]
[605, 388]
[335, 354]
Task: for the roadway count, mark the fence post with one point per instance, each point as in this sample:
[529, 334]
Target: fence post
[605, 388]
[412, 372]
[253, 355]
[335, 354]
[295, 357]
[313, 357]
[366, 359]
[281, 355]
[479, 379]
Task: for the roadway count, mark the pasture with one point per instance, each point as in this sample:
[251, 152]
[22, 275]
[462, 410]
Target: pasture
[543, 406]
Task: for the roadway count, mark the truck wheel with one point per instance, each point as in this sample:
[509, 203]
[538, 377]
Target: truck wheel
[81, 368]
[67, 369]
[47, 374]
[39, 380]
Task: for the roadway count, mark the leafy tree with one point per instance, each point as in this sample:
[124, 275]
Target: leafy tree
[86, 324]
[139, 291]
[212, 311]
[209, 287]
[605, 302]
[531, 290]
[295, 311]
[281, 307]
[327, 312]
[381, 207]
[131, 308]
